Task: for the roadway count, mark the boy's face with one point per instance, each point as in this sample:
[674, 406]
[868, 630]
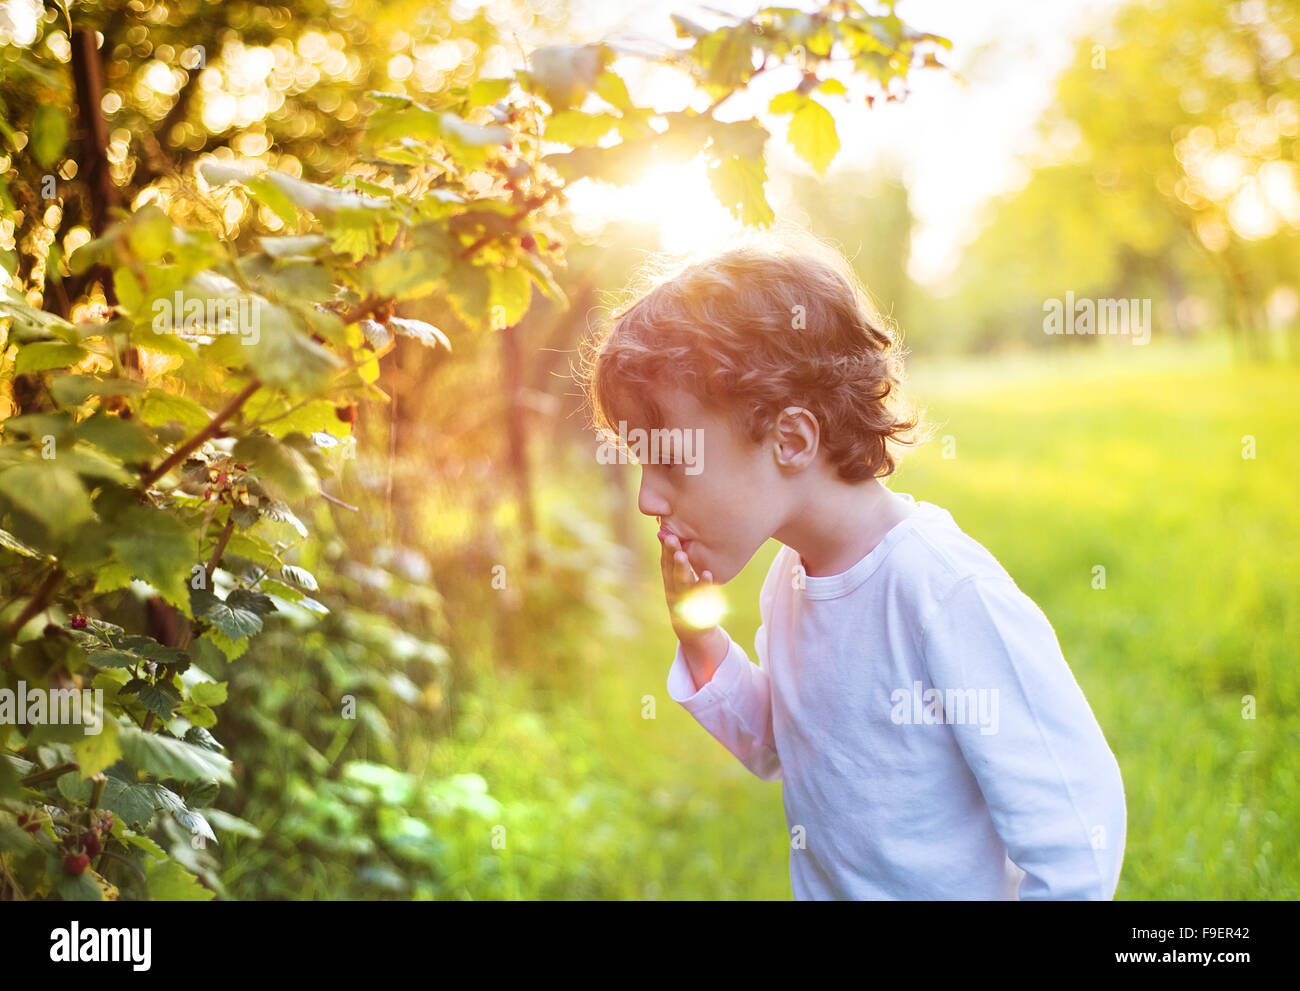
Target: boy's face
[727, 504]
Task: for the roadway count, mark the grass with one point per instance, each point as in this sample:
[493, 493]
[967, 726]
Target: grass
[1124, 459]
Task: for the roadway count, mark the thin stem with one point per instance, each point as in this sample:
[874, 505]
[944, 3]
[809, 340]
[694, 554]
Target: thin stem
[48, 774]
[37, 602]
[221, 545]
[182, 452]
[338, 502]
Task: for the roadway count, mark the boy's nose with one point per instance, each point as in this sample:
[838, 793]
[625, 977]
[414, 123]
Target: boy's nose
[649, 502]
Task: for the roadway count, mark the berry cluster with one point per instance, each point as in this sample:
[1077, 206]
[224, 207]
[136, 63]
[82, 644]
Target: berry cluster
[81, 847]
[225, 488]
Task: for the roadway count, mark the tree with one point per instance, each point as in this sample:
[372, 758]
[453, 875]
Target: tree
[190, 334]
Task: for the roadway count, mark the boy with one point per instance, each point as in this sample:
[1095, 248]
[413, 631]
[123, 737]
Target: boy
[931, 739]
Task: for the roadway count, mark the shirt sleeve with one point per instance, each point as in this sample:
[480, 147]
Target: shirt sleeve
[735, 706]
[1049, 778]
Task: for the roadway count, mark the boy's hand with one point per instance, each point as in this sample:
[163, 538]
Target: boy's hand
[704, 649]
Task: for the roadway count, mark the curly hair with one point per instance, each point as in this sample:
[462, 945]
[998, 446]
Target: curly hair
[777, 319]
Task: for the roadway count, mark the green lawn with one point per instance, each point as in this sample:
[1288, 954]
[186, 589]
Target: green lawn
[1129, 459]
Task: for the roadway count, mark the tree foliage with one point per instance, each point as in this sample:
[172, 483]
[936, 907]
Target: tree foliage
[199, 294]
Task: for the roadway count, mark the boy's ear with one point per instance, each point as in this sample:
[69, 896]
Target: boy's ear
[797, 436]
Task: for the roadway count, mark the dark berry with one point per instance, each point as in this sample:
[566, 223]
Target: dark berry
[78, 622]
[93, 846]
[528, 242]
[76, 863]
[346, 413]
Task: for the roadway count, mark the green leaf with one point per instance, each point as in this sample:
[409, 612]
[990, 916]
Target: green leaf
[426, 333]
[49, 133]
[812, 134]
[468, 287]
[146, 844]
[195, 823]
[542, 276]
[564, 74]
[254, 602]
[407, 274]
[208, 692]
[75, 888]
[200, 737]
[43, 355]
[199, 715]
[291, 247]
[236, 624]
[49, 492]
[73, 390]
[111, 658]
[72, 787]
[284, 356]
[611, 88]
[275, 198]
[149, 233]
[129, 293]
[160, 698]
[280, 591]
[158, 407]
[150, 649]
[170, 882]
[510, 294]
[131, 802]
[158, 549]
[125, 440]
[227, 823]
[299, 576]
[8, 540]
[171, 758]
[279, 463]
[572, 127]
[738, 184]
[98, 751]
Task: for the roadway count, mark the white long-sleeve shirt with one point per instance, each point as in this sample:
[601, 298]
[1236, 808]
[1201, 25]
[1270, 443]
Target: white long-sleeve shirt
[1000, 786]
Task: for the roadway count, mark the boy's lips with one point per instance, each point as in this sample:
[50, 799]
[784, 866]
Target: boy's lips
[665, 532]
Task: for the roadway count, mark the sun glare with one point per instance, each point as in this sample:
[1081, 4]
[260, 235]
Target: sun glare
[703, 607]
[678, 200]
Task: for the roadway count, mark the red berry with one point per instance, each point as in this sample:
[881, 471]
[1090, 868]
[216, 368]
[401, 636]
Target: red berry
[108, 822]
[528, 242]
[222, 478]
[242, 467]
[93, 846]
[76, 864]
[347, 413]
[78, 622]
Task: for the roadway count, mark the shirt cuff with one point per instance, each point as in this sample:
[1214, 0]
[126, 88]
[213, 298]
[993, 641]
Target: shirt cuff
[723, 684]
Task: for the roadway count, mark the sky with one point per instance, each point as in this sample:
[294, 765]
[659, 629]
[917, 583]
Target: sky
[955, 143]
